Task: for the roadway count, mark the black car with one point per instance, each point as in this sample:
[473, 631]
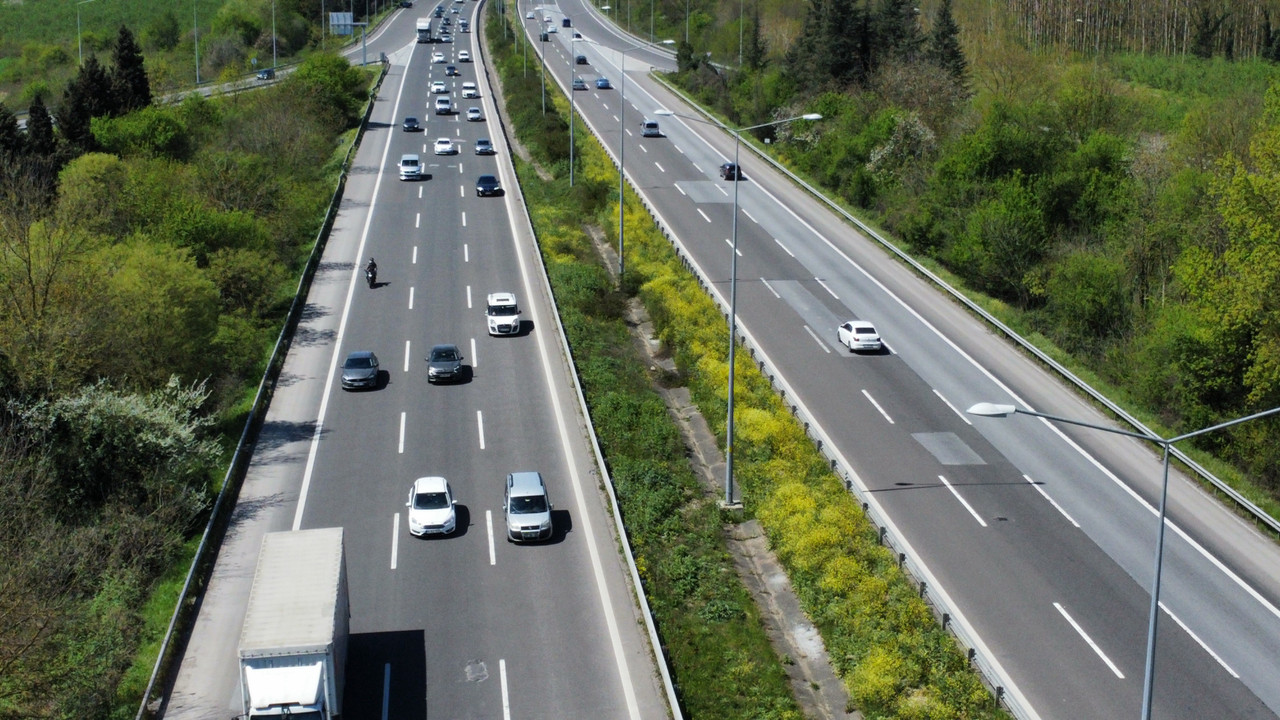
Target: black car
[406, 3]
[267, 74]
[360, 370]
[729, 171]
[542, 37]
[565, 22]
[488, 185]
[411, 124]
[451, 70]
[580, 59]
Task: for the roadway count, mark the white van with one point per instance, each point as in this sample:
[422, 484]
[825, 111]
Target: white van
[410, 167]
[444, 106]
[503, 313]
[469, 90]
[649, 128]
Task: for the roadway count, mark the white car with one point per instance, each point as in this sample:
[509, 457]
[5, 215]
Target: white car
[551, 29]
[445, 146]
[469, 90]
[860, 335]
[464, 56]
[474, 114]
[528, 15]
[410, 167]
[438, 87]
[431, 507]
[503, 314]
[437, 57]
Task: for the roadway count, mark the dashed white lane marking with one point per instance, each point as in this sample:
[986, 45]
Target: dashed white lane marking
[475, 359]
[704, 215]
[414, 261]
[963, 502]
[468, 297]
[386, 690]
[729, 242]
[410, 297]
[464, 218]
[828, 289]
[954, 409]
[1195, 637]
[395, 536]
[785, 249]
[480, 427]
[488, 524]
[1089, 640]
[817, 339]
[659, 166]
[872, 400]
[766, 284]
[406, 356]
[506, 701]
[744, 212]
[1056, 506]
[401, 450]
[417, 220]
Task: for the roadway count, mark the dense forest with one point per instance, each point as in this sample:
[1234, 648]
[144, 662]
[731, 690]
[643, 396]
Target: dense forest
[1117, 199]
[147, 255]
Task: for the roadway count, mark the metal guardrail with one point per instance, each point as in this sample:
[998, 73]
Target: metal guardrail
[1259, 515]
[202, 563]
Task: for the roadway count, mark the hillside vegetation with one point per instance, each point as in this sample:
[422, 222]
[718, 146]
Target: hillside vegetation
[1119, 205]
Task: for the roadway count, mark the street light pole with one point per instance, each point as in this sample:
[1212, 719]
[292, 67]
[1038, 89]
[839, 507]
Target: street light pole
[622, 150]
[733, 287]
[985, 409]
[273, 29]
[573, 75]
[195, 34]
[79, 41]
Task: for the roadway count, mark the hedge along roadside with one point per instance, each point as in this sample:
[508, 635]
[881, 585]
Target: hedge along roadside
[202, 562]
[896, 660]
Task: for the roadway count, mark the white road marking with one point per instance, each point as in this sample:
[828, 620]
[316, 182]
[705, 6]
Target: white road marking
[419, 192]
[1089, 640]
[766, 284]
[401, 433]
[480, 427]
[410, 297]
[817, 339]
[872, 400]
[824, 287]
[628, 131]
[954, 409]
[464, 218]
[459, 168]
[744, 212]
[506, 701]
[468, 297]
[386, 690]
[415, 255]
[417, 220]
[722, 191]
[462, 192]
[406, 356]
[466, 253]
[395, 537]
[642, 148]
[659, 166]
[1053, 503]
[729, 242]
[966, 505]
[615, 117]
[682, 192]
[1195, 637]
[488, 524]
[785, 249]
[475, 359]
[704, 215]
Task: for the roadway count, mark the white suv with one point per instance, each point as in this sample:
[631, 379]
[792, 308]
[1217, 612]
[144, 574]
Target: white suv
[503, 314]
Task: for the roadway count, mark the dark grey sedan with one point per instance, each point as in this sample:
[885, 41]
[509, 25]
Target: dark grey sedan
[360, 370]
[444, 363]
[488, 185]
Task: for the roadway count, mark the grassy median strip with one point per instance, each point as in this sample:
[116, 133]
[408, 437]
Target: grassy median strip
[896, 660]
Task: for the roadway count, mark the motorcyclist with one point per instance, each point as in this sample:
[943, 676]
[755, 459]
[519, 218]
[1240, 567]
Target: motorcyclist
[371, 271]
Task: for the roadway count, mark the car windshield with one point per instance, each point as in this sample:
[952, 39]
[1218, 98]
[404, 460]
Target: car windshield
[503, 310]
[443, 355]
[430, 501]
[358, 363]
[488, 180]
[528, 504]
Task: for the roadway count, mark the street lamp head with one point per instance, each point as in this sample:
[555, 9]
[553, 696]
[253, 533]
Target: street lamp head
[986, 409]
[668, 41]
[663, 112]
[811, 116]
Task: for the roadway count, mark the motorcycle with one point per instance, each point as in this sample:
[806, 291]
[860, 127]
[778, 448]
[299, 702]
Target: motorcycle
[371, 275]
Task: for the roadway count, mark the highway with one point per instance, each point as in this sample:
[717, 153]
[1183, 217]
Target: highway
[1041, 537]
[465, 626]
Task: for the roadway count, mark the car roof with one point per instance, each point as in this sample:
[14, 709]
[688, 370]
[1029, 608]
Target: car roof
[501, 298]
[431, 483]
[526, 483]
[408, 156]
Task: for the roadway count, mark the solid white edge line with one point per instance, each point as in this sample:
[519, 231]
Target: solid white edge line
[872, 400]
[402, 418]
[1089, 640]
[1052, 502]
[480, 427]
[817, 339]
[406, 356]
[342, 323]
[1195, 637]
[954, 409]
[386, 690]
[395, 537]
[963, 502]
[506, 701]
[488, 524]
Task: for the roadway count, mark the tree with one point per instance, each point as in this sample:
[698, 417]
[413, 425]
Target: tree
[163, 32]
[90, 94]
[330, 86]
[897, 29]
[40, 138]
[129, 81]
[11, 138]
[1205, 32]
[944, 44]
[754, 54]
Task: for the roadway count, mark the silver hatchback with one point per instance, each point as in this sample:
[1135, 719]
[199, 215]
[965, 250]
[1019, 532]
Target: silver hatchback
[527, 507]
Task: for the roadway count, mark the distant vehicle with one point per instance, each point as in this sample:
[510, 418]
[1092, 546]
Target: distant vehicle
[528, 15]
[579, 84]
[446, 38]
[484, 147]
[488, 185]
[580, 59]
[406, 3]
[474, 114]
[293, 643]
[445, 146]
[577, 35]
[439, 87]
[439, 11]
[410, 167]
[444, 106]
[542, 37]
[360, 370]
[464, 56]
[860, 335]
[431, 507]
[444, 363]
[451, 70]
[411, 124]
[527, 507]
[565, 22]
[469, 90]
[729, 171]
[649, 128]
[503, 313]
[602, 83]
[424, 29]
[454, 11]
[267, 74]
[437, 57]
[551, 29]
[464, 26]
[546, 18]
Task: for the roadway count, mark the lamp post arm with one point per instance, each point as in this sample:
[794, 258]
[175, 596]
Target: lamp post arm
[1104, 428]
[1226, 424]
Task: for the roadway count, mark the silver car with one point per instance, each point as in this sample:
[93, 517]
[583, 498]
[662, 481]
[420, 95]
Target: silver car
[527, 507]
[360, 370]
[444, 363]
